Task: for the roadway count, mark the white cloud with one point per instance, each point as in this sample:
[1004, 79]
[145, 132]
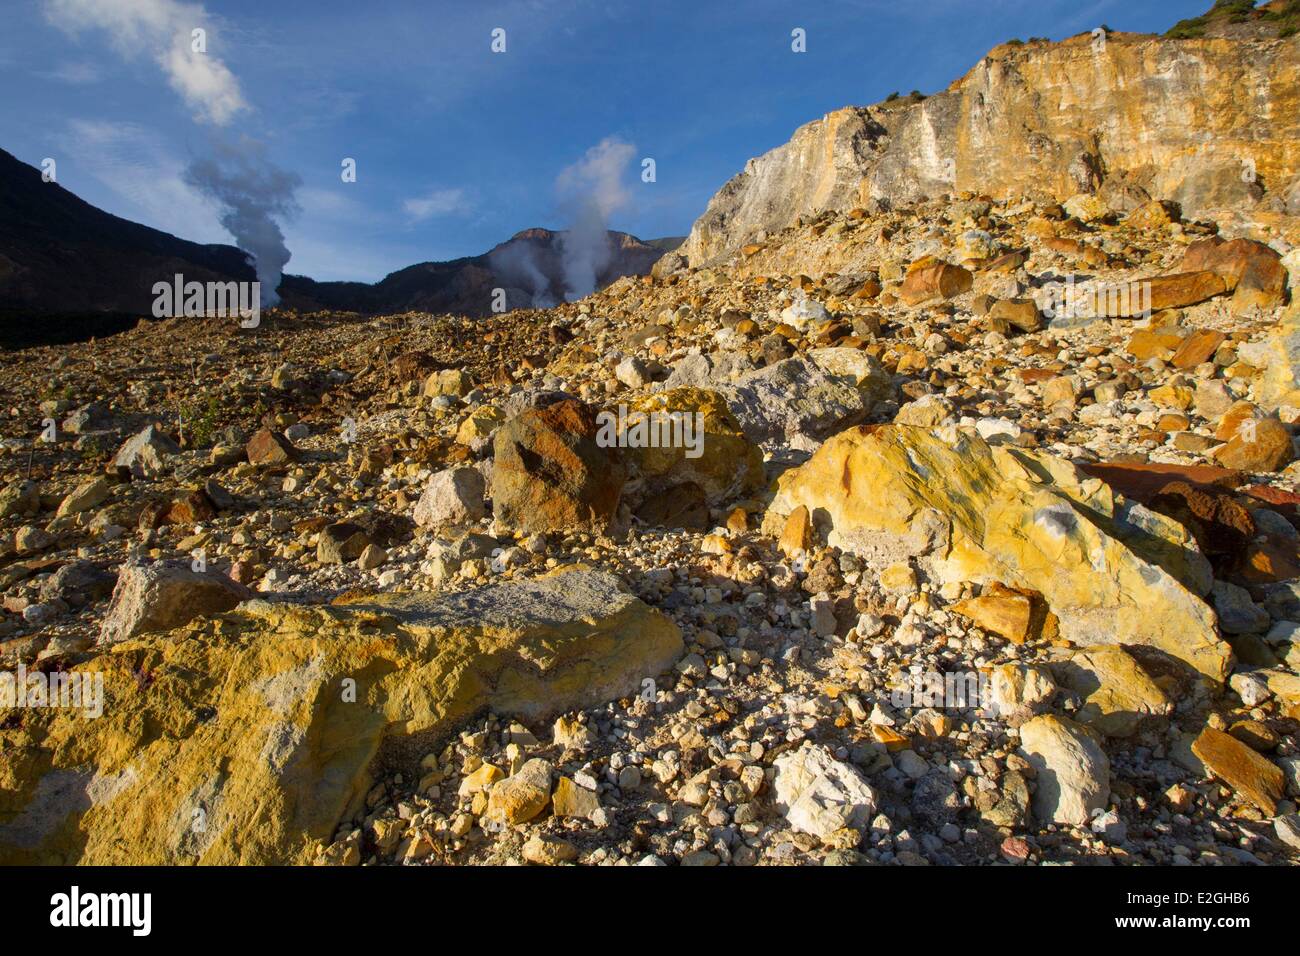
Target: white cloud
[145, 175]
[162, 30]
[439, 202]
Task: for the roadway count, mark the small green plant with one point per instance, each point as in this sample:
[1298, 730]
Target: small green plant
[199, 423]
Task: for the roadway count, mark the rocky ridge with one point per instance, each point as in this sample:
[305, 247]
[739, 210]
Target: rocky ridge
[1123, 117]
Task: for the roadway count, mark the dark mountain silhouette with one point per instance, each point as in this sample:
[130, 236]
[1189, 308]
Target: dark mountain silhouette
[69, 271]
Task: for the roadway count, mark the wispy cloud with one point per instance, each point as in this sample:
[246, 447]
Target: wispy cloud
[142, 170]
[163, 30]
[438, 203]
[74, 73]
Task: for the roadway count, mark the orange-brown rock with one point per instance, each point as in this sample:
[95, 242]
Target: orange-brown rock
[1146, 344]
[1017, 614]
[1255, 777]
[796, 536]
[929, 279]
[268, 448]
[1182, 289]
[1198, 347]
[1254, 441]
[1252, 271]
[549, 472]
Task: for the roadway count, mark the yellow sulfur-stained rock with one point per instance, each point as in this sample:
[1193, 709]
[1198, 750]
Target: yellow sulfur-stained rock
[479, 424]
[723, 462]
[1109, 569]
[259, 731]
[522, 796]
[571, 800]
[1117, 693]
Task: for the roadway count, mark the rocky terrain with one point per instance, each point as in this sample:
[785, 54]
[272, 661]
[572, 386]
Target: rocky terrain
[979, 562]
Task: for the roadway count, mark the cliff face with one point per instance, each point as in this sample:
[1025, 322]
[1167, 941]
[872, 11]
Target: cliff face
[1213, 124]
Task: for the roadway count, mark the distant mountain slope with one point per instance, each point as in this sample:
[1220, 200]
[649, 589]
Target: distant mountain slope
[528, 266]
[60, 254]
[69, 270]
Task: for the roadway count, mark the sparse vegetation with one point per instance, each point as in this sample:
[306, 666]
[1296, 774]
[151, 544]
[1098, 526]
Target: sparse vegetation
[1238, 11]
[199, 422]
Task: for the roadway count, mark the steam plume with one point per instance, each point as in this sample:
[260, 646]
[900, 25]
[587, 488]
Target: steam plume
[591, 190]
[251, 192]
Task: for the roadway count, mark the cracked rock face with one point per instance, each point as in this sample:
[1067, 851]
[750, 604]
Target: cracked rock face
[1046, 119]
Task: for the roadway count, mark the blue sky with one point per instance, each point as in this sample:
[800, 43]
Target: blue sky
[458, 147]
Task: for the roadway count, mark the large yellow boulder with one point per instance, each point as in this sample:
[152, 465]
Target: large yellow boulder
[249, 737]
[1110, 570]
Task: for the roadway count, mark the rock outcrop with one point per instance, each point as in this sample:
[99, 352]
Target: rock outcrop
[249, 737]
[1132, 118]
[1110, 570]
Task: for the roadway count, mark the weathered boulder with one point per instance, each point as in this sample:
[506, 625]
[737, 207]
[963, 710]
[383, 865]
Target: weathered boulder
[262, 730]
[798, 402]
[1110, 570]
[453, 497]
[269, 448]
[819, 794]
[146, 454]
[87, 495]
[688, 435]
[1116, 692]
[521, 796]
[549, 473]
[930, 279]
[1252, 271]
[341, 542]
[164, 595]
[1073, 772]
[1252, 440]
[1254, 776]
[78, 583]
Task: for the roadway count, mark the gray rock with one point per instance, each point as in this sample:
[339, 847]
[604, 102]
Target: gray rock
[794, 402]
[156, 597]
[78, 583]
[146, 454]
[341, 542]
[1073, 772]
[1238, 614]
[453, 497]
[934, 800]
